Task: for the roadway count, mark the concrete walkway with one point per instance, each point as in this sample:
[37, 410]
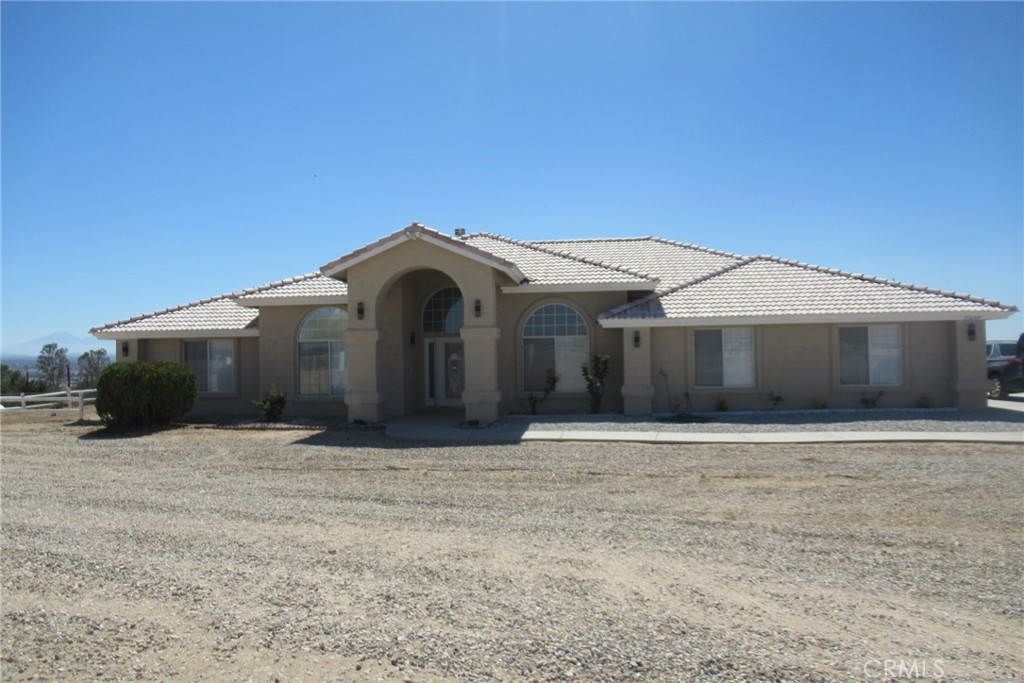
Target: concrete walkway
[444, 427]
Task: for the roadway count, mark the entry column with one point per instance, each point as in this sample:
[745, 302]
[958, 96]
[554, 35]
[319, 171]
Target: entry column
[361, 395]
[482, 396]
[971, 380]
[637, 389]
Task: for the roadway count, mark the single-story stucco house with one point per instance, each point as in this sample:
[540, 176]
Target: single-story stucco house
[419, 319]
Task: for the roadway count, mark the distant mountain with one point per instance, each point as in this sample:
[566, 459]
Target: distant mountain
[75, 345]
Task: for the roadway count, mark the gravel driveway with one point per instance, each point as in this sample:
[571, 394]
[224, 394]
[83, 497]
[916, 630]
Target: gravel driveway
[202, 554]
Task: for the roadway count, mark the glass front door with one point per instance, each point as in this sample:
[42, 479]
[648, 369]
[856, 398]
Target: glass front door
[445, 372]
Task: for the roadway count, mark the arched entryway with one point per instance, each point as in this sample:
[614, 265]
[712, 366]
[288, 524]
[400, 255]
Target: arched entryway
[389, 286]
[421, 315]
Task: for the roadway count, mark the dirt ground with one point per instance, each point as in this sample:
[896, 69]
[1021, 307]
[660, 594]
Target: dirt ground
[208, 554]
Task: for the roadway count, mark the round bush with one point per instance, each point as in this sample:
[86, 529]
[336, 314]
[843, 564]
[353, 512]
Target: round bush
[140, 393]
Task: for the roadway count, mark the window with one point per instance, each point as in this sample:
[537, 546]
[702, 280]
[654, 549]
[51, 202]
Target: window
[723, 358]
[322, 367]
[870, 355]
[556, 338]
[444, 311]
[213, 361]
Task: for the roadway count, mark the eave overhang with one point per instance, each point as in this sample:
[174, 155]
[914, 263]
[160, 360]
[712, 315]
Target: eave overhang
[175, 334]
[260, 302]
[824, 318]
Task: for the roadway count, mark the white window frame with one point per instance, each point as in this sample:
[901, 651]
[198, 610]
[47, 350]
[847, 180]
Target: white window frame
[879, 355]
[333, 347]
[211, 372]
[570, 372]
[732, 343]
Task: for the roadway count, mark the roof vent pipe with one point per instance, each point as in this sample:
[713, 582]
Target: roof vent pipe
[460, 232]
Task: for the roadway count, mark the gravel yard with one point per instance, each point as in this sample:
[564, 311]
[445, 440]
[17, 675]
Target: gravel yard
[880, 420]
[208, 554]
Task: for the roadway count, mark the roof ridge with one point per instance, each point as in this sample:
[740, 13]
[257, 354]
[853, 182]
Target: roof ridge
[597, 239]
[650, 238]
[807, 266]
[566, 254]
[675, 288]
[698, 247]
[886, 281]
[208, 300]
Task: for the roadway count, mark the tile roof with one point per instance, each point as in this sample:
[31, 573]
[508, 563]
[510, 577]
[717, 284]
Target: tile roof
[765, 286]
[692, 284]
[314, 285]
[544, 265]
[671, 262]
[221, 313]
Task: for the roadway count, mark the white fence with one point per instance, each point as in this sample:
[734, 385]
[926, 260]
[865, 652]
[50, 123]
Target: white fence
[75, 399]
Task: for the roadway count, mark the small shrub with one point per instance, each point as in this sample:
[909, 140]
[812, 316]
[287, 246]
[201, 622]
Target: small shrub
[722, 405]
[272, 404]
[142, 393]
[869, 401]
[674, 403]
[819, 404]
[774, 399]
[533, 401]
[594, 375]
[924, 401]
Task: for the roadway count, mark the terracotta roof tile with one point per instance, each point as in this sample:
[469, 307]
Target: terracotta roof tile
[767, 286]
[222, 313]
[671, 262]
[542, 264]
[315, 285]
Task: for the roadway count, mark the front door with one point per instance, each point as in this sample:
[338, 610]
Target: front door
[445, 371]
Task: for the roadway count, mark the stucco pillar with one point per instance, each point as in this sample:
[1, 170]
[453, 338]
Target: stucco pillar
[970, 378]
[637, 387]
[361, 395]
[482, 397]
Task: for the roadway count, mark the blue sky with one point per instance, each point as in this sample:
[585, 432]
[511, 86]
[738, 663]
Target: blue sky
[156, 154]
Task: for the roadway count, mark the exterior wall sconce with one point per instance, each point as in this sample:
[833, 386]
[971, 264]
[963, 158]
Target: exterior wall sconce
[124, 348]
[636, 339]
[412, 339]
[972, 331]
[476, 308]
[359, 310]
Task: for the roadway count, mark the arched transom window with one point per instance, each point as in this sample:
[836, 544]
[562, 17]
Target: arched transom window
[555, 339]
[444, 311]
[322, 368]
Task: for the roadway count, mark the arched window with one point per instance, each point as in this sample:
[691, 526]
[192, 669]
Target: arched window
[444, 311]
[555, 339]
[322, 368]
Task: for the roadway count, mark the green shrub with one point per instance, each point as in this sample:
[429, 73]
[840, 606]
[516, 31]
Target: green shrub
[594, 375]
[141, 393]
[272, 404]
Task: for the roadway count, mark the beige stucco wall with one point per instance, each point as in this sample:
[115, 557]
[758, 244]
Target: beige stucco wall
[279, 361]
[800, 363]
[513, 311]
[247, 369]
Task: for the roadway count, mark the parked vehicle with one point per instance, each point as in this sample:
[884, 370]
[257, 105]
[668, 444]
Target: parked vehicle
[1005, 367]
